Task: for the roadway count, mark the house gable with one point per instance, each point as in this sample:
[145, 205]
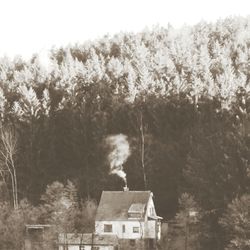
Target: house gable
[115, 205]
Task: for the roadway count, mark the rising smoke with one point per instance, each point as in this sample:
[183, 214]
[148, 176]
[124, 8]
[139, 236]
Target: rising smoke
[119, 153]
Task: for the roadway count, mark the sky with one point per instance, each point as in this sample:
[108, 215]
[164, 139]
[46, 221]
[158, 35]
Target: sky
[34, 26]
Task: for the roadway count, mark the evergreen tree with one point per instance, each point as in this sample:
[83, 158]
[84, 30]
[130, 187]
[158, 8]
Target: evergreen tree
[236, 223]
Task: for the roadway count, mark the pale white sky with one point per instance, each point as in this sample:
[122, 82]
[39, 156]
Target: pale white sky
[32, 26]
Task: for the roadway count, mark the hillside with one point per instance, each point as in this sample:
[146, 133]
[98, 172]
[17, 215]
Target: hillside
[182, 98]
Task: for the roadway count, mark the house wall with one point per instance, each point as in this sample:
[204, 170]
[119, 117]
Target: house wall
[154, 227]
[150, 230]
[150, 207]
[146, 229]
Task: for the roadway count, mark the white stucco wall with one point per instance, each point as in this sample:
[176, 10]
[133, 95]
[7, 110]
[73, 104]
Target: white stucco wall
[154, 227]
[150, 229]
[150, 207]
[146, 229]
[117, 227]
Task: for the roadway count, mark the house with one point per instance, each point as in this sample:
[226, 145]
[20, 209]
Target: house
[87, 242]
[125, 220]
[131, 216]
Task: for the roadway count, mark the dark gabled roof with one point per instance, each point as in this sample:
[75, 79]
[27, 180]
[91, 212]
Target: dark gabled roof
[87, 239]
[114, 205]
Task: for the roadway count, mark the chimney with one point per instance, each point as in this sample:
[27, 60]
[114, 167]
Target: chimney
[125, 189]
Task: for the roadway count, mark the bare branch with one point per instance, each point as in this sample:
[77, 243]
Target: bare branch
[8, 145]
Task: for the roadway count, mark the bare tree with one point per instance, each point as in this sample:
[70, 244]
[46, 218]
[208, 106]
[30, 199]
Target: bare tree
[8, 147]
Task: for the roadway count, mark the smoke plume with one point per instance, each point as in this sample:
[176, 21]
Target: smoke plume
[119, 153]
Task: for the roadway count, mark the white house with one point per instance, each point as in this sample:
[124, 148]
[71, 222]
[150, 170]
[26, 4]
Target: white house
[125, 220]
[131, 216]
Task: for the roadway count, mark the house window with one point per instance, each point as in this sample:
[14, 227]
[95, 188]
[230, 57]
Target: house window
[132, 243]
[151, 211]
[135, 229]
[134, 215]
[96, 248]
[123, 228]
[82, 248]
[107, 228]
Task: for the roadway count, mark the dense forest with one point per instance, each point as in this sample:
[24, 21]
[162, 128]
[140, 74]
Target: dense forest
[180, 96]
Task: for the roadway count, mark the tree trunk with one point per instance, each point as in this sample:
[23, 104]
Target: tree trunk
[143, 150]
[15, 187]
[7, 151]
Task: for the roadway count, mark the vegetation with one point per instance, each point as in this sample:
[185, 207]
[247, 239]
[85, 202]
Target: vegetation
[236, 221]
[182, 97]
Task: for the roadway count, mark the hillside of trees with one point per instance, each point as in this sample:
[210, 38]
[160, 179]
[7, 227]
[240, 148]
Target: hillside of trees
[182, 98]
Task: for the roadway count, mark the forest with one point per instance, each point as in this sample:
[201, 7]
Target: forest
[182, 99]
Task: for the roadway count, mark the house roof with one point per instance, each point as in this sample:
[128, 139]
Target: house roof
[87, 239]
[155, 217]
[114, 205]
